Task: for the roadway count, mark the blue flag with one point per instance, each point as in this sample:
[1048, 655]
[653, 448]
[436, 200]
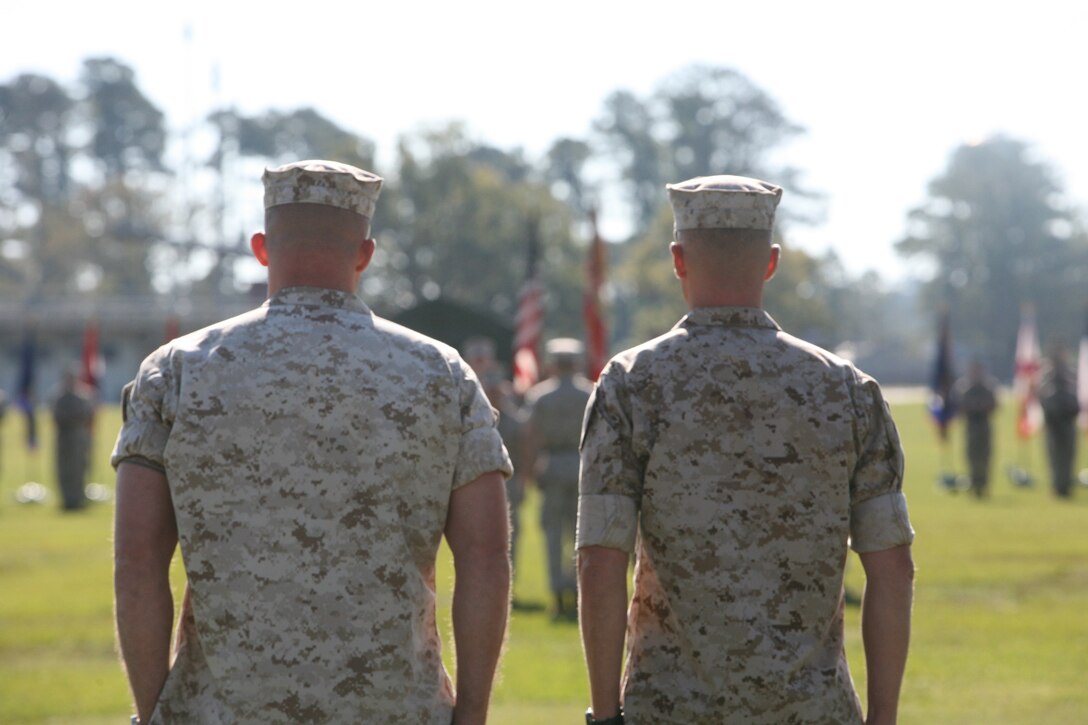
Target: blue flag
[24, 388]
[941, 405]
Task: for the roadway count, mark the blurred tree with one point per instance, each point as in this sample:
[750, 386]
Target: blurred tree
[285, 136]
[564, 168]
[79, 233]
[35, 128]
[453, 223]
[702, 120]
[627, 128]
[715, 120]
[996, 236]
[127, 130]
[35, 125]
[128, 139]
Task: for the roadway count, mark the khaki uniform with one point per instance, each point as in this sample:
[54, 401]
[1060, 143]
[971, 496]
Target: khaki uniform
[738, 462]
[555, 410]
[311, 449]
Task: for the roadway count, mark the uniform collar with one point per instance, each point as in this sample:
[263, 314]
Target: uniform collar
[729, 317]
[317, 297]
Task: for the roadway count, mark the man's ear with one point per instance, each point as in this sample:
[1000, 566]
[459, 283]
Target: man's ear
[364, 255]
[259, 244]
[679, 264]
[772, 263]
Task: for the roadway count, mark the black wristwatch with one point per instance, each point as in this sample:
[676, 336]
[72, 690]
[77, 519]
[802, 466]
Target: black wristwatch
[616, 719]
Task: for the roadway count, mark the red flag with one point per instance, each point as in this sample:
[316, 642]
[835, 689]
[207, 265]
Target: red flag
[92, 365]
[173, 328]
[1026, 380]
[529, 321]
[596, 333]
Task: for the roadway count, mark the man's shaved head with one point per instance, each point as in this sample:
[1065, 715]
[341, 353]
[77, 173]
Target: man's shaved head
[313, 225]
[724, 264]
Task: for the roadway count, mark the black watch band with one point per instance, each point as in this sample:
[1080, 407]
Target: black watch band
[616, 719]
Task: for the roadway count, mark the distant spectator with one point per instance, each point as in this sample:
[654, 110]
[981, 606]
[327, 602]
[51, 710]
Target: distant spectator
[73, 413]
[1058, 397]
[976, 398]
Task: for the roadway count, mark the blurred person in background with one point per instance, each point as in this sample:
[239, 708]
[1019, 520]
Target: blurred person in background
[976, 398]
[553, 419]
[73, 415]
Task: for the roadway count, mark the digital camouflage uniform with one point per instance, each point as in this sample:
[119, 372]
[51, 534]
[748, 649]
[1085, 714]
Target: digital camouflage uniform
[311, 449]
[555, 410]
[744, 459]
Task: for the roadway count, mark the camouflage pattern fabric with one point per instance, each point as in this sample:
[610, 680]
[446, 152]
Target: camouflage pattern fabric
[329, 183]
[745, 460]
[310, 449]
[723, 202]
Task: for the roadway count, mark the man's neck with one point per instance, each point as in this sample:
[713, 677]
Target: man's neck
[717, 298]
[278, 282]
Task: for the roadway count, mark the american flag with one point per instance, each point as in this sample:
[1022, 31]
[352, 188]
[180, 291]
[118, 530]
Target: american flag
[596, 333]
[1026, 379]
[529, 321]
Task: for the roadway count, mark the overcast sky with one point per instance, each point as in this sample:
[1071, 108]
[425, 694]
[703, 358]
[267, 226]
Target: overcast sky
[885, 91]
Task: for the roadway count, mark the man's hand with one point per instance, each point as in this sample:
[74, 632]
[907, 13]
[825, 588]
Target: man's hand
[144, 538]
[478, 532]
[885, 628]
[602, 612]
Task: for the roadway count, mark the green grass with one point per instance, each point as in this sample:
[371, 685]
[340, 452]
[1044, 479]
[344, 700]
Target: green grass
[1000, 627]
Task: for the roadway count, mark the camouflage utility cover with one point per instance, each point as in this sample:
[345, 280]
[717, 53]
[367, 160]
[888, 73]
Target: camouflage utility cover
[311, 449]
[329, 183]
[723, 202]
[744, 458]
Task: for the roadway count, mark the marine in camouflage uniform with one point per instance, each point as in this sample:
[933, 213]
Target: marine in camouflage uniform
[73, 416]
[554, 410]
[738, 463]
[314, 455]
[976, 398]
[1058, 399]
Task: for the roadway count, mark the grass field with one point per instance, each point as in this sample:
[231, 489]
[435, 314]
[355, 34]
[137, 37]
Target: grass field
[1000, 626]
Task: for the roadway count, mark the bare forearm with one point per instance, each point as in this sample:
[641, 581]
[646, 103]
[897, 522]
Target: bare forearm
[602, 607]
[885, 631]
[145, 614]
[480, 607]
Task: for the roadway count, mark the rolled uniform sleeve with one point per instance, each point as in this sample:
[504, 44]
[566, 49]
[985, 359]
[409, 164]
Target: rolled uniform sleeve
[146, 426]
[878, 508]
[481, 449]
[611, 474]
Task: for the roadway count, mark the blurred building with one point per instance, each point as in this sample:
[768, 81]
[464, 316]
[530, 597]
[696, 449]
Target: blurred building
[129, 329]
